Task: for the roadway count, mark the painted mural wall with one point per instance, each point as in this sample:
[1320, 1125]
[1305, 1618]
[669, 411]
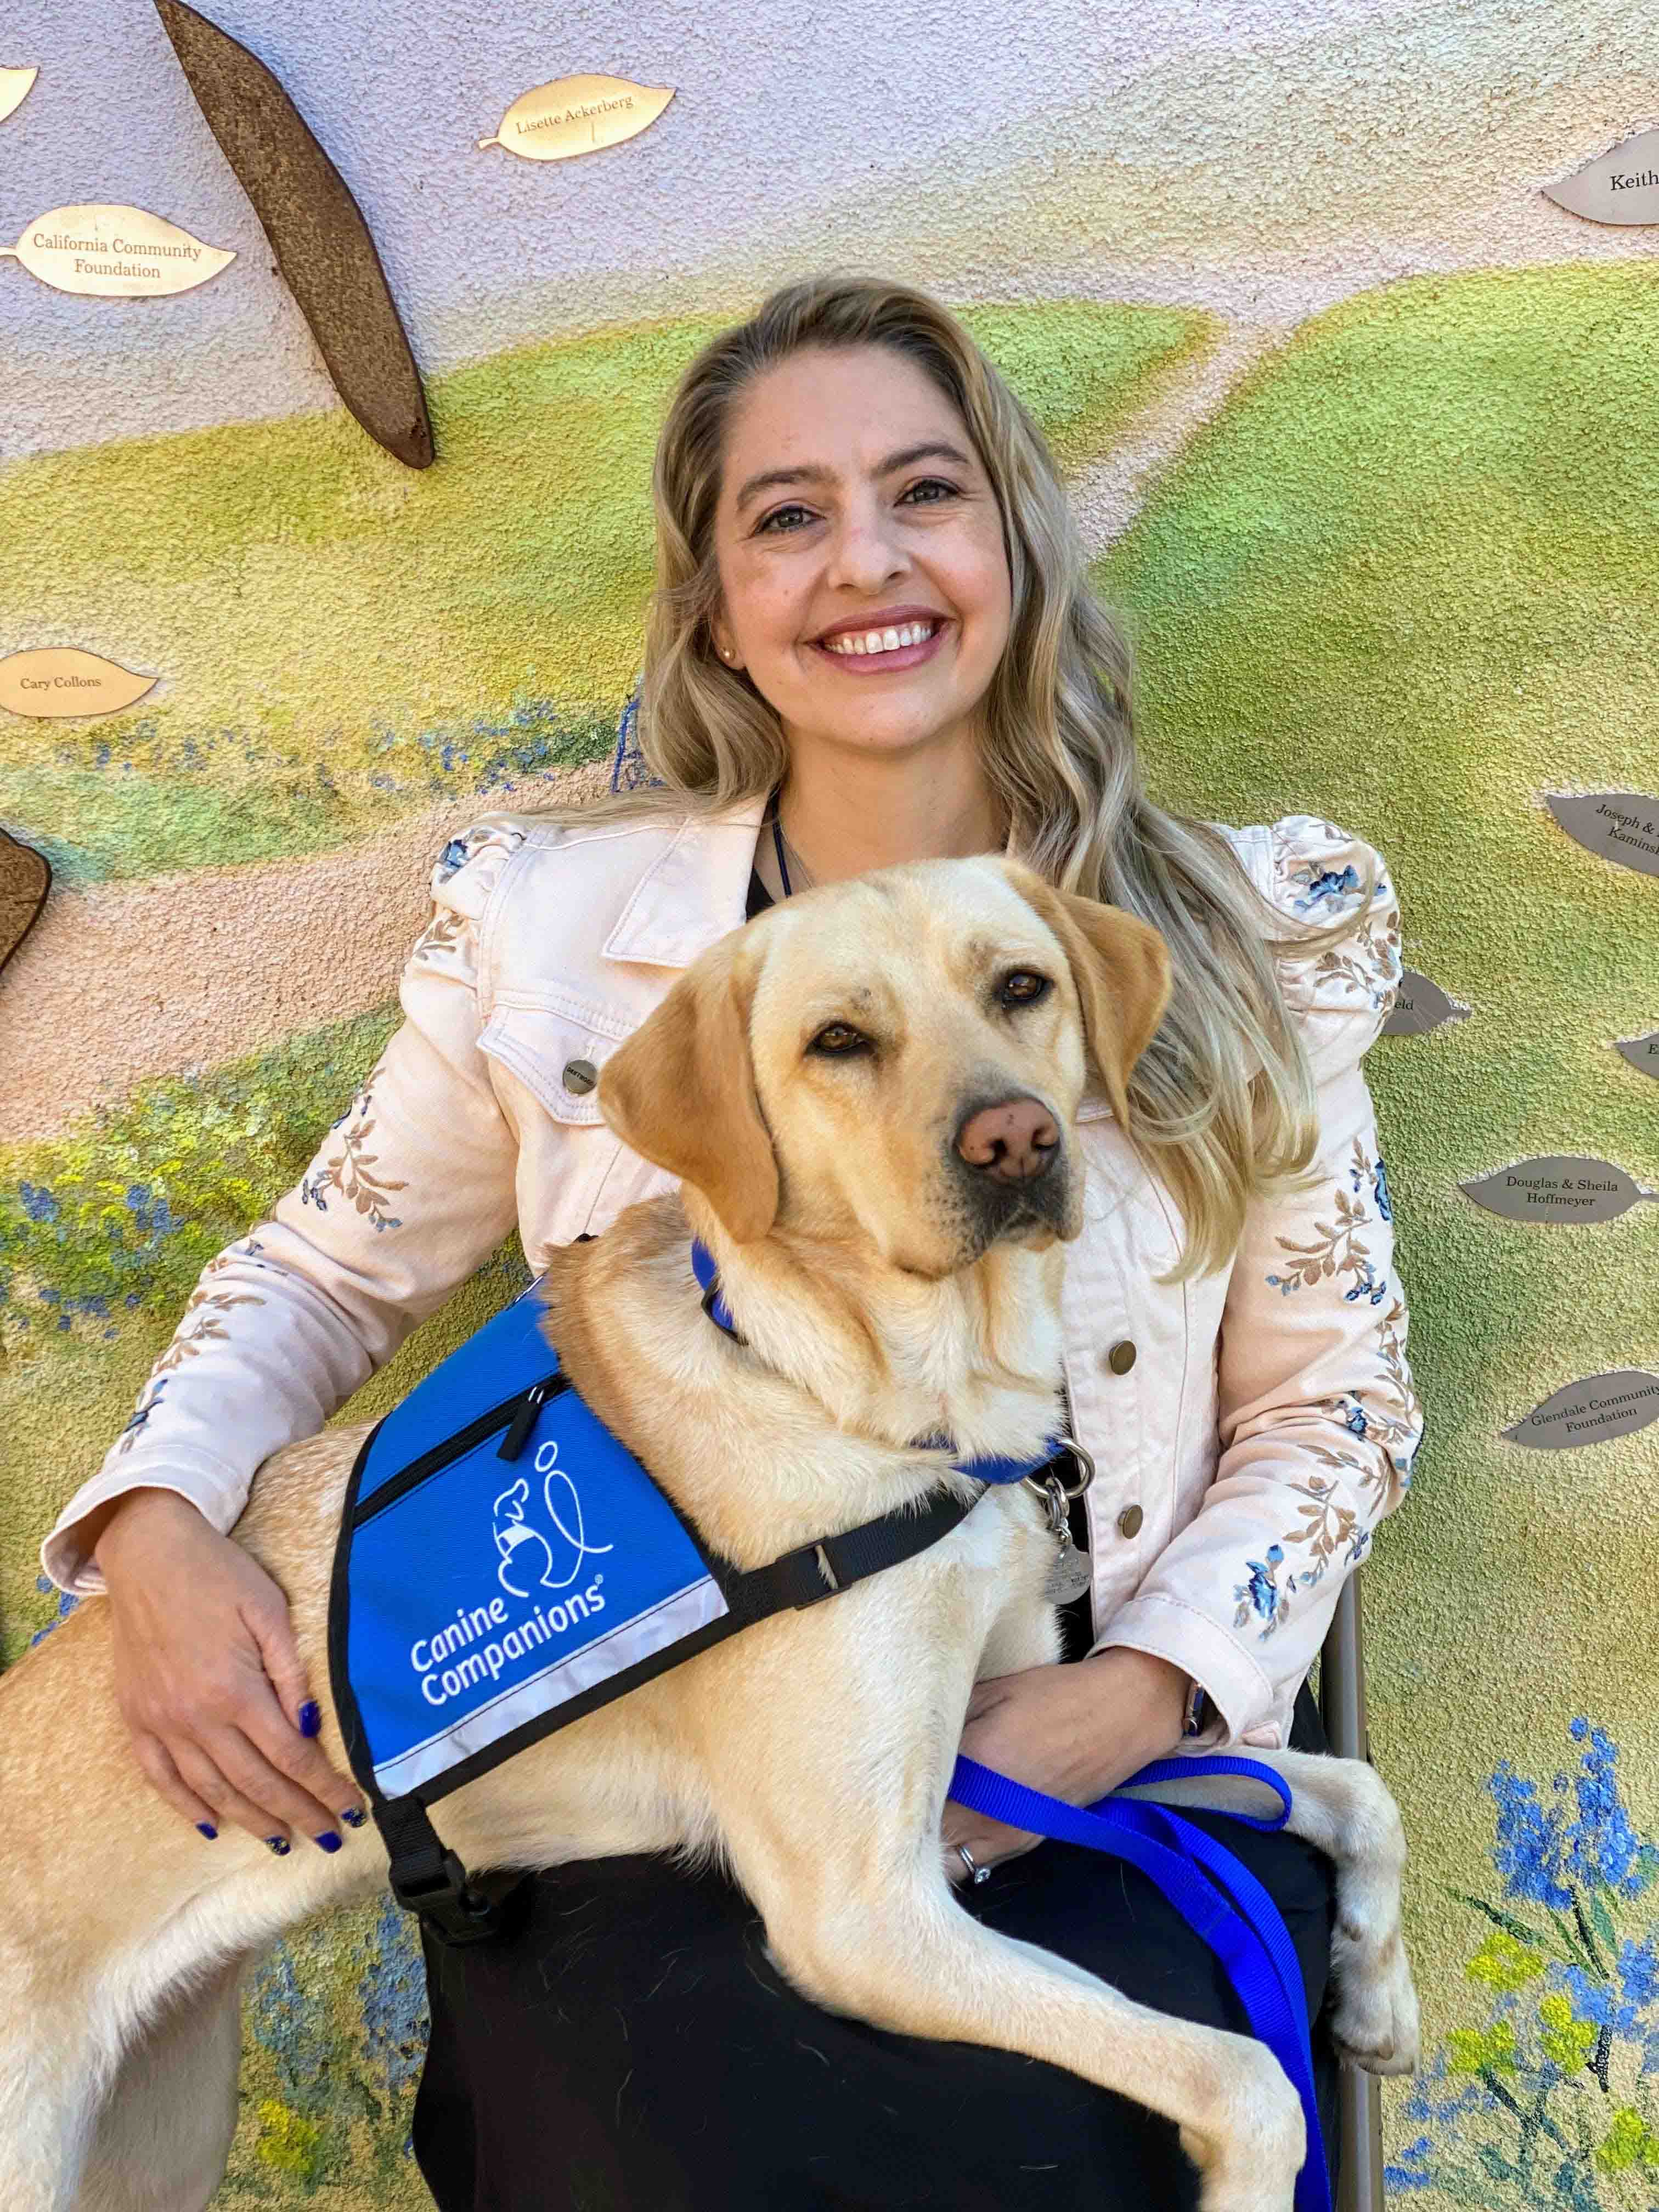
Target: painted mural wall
[1365, 433]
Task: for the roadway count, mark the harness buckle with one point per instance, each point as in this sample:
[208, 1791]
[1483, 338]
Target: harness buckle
[457, 1908]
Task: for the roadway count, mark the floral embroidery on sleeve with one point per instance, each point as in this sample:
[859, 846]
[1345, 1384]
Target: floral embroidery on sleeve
[444, 929]
[1385, 1412]
[350, 1171]
[1367, 963]
[208, 1326]
[459, 850]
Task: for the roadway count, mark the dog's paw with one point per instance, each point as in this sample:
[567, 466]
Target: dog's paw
[1250, 2159]
[1375, 2022]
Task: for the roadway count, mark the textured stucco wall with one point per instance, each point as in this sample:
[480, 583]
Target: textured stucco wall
[1364, 432]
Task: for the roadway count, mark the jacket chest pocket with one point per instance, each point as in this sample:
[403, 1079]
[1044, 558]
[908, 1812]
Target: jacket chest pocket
[573, 1174]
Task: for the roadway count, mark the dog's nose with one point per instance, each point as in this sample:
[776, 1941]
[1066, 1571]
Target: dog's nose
[1011, 1142]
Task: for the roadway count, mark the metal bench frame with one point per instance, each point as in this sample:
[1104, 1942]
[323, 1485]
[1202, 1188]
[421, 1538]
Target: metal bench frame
[1342, 1708]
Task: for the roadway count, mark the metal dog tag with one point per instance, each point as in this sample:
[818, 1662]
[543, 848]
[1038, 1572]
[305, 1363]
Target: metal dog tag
[1068, 1578]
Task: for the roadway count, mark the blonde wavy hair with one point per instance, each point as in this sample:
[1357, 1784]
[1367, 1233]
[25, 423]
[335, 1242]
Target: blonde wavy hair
[1222, 1101]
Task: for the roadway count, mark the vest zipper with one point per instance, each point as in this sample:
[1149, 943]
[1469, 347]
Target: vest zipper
[516, 1414]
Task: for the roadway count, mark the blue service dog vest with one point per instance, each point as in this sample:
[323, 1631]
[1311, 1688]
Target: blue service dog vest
[505, 1566]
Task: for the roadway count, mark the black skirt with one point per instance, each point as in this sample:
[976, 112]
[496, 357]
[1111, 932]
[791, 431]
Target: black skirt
[631, 2049]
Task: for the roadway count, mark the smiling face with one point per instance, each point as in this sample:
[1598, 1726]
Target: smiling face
[864, 579]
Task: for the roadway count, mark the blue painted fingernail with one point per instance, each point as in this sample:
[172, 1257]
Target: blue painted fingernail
[328, 1841]
[206, 1828]
[354, 1816]
[311, 1717]
[280, 1845]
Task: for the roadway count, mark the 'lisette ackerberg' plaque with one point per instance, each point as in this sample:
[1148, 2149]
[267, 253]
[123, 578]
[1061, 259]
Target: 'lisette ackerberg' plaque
[578, 115]
[1618, 825]
[1557, 1190]
[1420, 1005]
[14, 88]
[1641, 1053]
[115, 254]
[1621, 187]
[1592, 1412]
[54, 680]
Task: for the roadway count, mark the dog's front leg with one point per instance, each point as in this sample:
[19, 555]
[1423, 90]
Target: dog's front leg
[889, 1943]
[1343, 1807]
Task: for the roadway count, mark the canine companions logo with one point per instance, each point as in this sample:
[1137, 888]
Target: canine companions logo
[543, 1545]
[525, 1548]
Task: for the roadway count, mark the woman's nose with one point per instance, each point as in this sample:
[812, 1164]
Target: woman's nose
[867, 553]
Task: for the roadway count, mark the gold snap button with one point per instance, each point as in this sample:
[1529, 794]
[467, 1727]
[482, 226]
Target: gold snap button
[579, 1076]
[1129, 1520]
[1121, 1357]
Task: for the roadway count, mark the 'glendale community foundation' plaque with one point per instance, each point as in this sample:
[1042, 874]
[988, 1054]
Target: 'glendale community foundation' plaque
[1592, 1412]
[51, 681]
[115, 254]
[578, 115]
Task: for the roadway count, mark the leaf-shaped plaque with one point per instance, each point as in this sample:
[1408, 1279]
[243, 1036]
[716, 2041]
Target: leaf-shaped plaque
[1618, 825]
[14, 88]
[25, 879]
[1420, 1005]
[1561, 1189]
[1592, 1412]
[578, 115]
[1641, 1053]
[54, 680]
[115, 254]
[323, 246]
[1619, 187]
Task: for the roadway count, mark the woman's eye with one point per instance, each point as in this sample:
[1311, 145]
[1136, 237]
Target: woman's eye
[783, 518]
[837, 1039]
[928, 491]
[1023, 988]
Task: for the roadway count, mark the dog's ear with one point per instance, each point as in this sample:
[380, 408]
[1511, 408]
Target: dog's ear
[681, 1091]
[1121, 966]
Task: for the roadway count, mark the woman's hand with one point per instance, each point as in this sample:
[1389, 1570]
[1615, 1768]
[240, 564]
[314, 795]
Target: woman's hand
[210, 1679]
[1072, 1732]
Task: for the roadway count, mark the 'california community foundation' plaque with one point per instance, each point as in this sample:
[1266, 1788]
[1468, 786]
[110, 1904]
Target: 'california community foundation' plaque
[115, 254]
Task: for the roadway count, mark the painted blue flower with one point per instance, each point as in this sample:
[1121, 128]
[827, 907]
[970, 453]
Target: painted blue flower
[392, 1997]
[1603, 1849]
[39, 1203]
[1528, 1850]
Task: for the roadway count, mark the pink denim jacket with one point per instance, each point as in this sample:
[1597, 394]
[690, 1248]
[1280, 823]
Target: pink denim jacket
[1250, 1428]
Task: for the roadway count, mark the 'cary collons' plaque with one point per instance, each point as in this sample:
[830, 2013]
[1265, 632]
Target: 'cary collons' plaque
[1558, 1189]
[115, 254]
[14, 85]
[1619, 825]
[1621, 187]
[578, 115]
[55, 680]
[1420, 1005]
[1592, 1412]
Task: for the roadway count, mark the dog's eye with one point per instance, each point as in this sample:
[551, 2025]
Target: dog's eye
[837, 1039]
[1023, 988]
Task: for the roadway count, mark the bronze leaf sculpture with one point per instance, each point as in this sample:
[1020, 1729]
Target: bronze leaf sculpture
[25, 879]
[323, 250]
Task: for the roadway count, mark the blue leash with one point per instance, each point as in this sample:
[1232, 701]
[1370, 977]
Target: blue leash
[1220, 1899]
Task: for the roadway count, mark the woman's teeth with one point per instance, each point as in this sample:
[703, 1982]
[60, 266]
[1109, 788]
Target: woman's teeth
[880, 640]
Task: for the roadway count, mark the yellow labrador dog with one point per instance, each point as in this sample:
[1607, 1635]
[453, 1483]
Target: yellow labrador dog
[822, 1081]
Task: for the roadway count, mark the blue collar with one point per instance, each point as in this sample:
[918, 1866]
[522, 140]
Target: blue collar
[982, 1470]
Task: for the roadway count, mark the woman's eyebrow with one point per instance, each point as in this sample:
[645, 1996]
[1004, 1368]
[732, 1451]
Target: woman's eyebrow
[934, 449]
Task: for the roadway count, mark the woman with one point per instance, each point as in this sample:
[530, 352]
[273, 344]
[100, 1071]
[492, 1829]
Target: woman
[871, 641]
